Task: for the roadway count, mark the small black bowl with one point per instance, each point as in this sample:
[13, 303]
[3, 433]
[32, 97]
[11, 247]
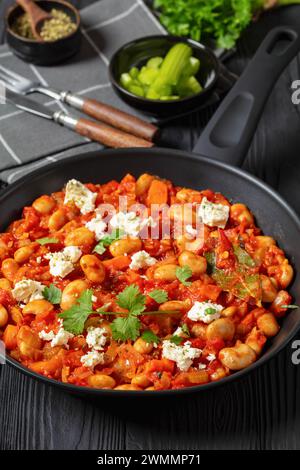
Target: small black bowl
[137, 52]
[44, 53]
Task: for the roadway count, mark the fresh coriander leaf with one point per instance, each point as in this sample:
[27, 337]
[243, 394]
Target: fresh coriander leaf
[160, 296]
[176, 340]
[75, 317]
[46, 240]
[290, 306]
[210, 311]
[185, 329]
[52, 294]
[183, 273]
[132, 300]
[106, 241]
[150, 337]
[124, 328]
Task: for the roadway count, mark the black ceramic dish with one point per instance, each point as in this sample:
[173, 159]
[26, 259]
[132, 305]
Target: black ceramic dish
[226, 137]
[44, 53]
[137, 52]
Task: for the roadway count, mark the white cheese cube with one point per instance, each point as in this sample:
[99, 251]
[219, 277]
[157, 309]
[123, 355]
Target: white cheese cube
[92, 359]
[96, 338]
[182, 355]
[81, 196]
[130, 223]
[141, 260]
[98, 226]
[28, 290]
[61, 263]
[213, 215]
[205, 312]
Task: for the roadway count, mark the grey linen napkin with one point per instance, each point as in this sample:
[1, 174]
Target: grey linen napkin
[28, 142]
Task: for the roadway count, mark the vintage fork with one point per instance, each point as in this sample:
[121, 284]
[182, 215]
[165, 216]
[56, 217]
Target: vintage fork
[93, 108]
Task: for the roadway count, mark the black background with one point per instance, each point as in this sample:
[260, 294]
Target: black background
[260, 412]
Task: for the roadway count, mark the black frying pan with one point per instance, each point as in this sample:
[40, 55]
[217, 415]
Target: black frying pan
[226, 138]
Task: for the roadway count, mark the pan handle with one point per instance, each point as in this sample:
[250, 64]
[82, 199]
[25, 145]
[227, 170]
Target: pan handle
[228, 134]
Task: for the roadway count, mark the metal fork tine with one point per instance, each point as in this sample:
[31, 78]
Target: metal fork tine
[13, 75]
[7, 80]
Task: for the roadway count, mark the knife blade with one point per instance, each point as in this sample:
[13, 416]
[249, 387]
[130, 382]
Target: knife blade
[28, 105]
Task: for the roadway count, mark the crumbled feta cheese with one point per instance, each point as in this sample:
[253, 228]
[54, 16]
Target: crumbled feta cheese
[182, 355]
[72, 253]
[96, 338]
[211, 357]
[81, 196]
[92, 359]
[61, 338]
[28, 290]
[47, 336]
[202, 366]
[130, 223]
[94, 298]
[62, 262]
[213, 215]
[39, 259]
[98, 226]
[200, 311]
[141, 260]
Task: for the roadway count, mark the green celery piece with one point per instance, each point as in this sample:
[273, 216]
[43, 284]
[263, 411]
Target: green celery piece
[152, 95]
[147, 75]
[188, 86]
[154, 62]
[169, 98]
[136, 89]
[126, 80]
[133, 72]
[192, 67]
[171, 68]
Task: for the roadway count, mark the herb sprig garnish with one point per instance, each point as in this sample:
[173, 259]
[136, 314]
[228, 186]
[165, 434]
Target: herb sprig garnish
[106, 241]
[126, 326]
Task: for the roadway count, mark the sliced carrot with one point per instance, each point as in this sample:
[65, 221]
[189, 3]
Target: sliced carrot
[118, 263]
[158, 193]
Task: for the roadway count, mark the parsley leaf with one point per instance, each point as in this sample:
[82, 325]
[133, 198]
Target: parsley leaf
[176, 340]
[290, 306]
[132, 300]
[128, 327]
[46, 240]
[106, 241]
[52, 294]
[75, 317]
[160, 296]
[183, 273]
[150, 337]
[124, 328]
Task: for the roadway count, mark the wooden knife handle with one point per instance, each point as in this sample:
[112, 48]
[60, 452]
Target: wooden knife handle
[109, 136]
[114, 117]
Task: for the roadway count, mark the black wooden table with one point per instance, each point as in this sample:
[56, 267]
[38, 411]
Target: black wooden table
[260, 412]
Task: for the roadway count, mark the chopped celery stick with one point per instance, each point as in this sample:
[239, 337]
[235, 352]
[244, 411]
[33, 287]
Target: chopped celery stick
[147, 75]
[192, 67]
[188, 86]
[154, 62]
[133, 72]
[169, 98]
[152, 95]
[172, 67]
[126, 80]
[136, 89]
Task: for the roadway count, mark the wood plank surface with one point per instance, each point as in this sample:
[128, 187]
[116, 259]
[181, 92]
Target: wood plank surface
[260, 412]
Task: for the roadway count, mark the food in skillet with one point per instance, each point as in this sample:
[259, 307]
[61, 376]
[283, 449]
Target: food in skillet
[92, 298]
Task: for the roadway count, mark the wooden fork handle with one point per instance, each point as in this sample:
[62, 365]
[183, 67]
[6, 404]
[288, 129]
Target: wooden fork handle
[113, 116]
[101, 133]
